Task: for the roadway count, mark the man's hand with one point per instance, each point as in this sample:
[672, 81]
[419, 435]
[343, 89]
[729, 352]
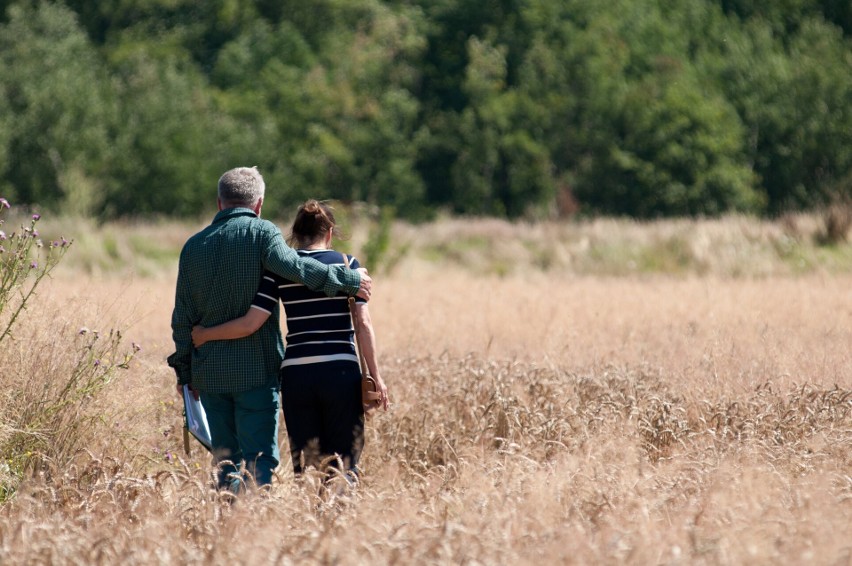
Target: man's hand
[366, 288]
[179, 388]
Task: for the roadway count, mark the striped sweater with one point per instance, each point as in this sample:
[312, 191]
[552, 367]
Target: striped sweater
[319, 328]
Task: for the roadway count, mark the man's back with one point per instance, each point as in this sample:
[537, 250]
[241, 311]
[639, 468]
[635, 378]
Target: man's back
[220, 269]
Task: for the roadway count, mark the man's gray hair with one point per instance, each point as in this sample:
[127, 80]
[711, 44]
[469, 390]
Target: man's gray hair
[241, 187]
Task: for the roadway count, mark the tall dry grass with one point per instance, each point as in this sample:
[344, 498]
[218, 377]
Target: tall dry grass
[539, 416]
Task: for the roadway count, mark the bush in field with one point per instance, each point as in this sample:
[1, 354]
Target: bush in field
[837, 220]
[24, 263]
[46, 384]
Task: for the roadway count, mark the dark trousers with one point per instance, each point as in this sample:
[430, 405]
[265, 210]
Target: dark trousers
[323, 413]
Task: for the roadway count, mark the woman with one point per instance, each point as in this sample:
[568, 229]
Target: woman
[320, 374]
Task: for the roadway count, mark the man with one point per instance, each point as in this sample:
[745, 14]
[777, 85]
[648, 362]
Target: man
[218, 275]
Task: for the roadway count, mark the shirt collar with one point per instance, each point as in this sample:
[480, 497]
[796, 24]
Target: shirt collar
[227, 213]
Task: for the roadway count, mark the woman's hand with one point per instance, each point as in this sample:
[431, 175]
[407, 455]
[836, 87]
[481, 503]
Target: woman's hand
[198, 335]
[383, 391]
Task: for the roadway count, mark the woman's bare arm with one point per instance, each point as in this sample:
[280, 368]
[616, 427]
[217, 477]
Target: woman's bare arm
[367, 343]
[237, 328]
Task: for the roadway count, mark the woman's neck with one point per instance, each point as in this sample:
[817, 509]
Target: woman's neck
[322, 242]
[318, 244]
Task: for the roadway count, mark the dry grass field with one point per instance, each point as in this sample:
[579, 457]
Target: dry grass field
[552, 403]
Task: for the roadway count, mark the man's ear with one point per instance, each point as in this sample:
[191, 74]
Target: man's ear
[219, 203]
[258, 206]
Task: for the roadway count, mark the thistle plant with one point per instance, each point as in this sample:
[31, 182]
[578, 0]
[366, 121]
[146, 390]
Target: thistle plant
[25, 260]
[48, 395]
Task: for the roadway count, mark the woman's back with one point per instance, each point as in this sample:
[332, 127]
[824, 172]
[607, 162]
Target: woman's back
[319, 328]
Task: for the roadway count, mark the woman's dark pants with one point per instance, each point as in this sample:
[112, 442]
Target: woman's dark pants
[323, 413]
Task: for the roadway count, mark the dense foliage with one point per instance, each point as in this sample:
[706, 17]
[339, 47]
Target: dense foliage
[643, 108]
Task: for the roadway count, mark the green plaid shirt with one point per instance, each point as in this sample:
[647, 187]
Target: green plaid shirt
[218, 275]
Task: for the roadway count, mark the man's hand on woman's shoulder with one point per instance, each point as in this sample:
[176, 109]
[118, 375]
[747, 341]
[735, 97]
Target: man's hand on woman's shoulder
[366, 288]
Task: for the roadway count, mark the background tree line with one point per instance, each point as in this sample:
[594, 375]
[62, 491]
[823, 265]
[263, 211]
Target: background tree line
[643, 108]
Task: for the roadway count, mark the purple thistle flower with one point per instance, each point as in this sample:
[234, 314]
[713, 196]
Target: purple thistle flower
[136, 347]
[36, 217]
[34, 265]
[54, 244]
[83, 330]
[4, 203]
[97, 363]
[35, 233]
[2, 235]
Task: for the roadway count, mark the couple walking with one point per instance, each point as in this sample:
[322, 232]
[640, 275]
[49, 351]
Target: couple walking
[227, 336]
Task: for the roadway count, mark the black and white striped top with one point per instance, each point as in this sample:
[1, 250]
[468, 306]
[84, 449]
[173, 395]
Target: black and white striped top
[319, 327]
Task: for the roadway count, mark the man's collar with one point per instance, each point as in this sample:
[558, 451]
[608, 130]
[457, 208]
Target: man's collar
[231, 213]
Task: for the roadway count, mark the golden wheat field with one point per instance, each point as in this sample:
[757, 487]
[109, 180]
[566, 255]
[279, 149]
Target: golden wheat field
[543, 412]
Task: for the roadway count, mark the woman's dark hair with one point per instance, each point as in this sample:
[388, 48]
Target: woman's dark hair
[313, 221]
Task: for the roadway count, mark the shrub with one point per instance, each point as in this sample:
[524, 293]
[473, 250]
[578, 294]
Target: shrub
[24, 263]
[48, 385]
[837, 220]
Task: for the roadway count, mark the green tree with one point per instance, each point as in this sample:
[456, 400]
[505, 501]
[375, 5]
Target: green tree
[500, 169]
[200, 28]
[55, 112]
[679, 152]
[173, 142]
[638, 107]
[786, 16]
[353, 125]
[615, 91]
[795, 102]
[443, 159]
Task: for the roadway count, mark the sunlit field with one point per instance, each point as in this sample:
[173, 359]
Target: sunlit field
[559, 396]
